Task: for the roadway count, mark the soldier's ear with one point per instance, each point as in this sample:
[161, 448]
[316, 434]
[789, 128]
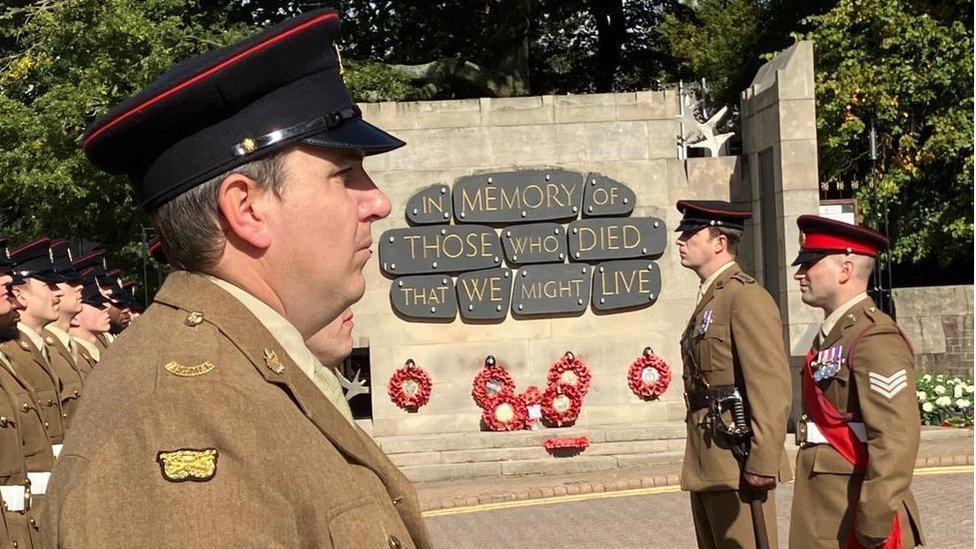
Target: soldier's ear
[847, 270]
[241, 203]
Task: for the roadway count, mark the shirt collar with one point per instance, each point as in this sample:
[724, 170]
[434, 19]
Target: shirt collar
[91, 347]
[62, 336]
[832, 318]
[284, 332]
[35, 337]
[714, 276]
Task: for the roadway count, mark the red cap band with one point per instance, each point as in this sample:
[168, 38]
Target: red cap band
[821, 241]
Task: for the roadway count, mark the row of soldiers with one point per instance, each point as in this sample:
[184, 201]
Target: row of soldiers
[57, 315]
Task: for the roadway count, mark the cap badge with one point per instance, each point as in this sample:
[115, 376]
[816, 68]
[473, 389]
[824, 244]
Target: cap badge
[248, 145]
[272, 362]
[187, 464]
[182, 370]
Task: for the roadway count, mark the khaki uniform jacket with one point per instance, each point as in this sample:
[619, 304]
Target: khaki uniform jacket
[828, 487]
[269, 461]
[33, 368]
[102, 341]
[24, 447]
[742, 346]
[86, 361]
[63, 365]
[35, 444]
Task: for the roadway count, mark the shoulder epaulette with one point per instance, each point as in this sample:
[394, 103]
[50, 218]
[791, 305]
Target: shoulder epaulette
[743, 278]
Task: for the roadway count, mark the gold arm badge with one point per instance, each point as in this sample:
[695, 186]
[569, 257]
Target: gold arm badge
[182, 370]
[187, 464]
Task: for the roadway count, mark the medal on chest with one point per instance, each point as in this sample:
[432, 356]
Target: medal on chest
[828, 363]
[706, 321]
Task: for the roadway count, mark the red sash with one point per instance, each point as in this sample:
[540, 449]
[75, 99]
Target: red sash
[842, 438]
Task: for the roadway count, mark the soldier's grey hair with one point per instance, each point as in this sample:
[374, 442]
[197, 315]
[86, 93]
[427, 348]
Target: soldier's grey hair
[732, 236]
[189, 225]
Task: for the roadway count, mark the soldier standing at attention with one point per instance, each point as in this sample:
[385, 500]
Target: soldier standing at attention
[61, 349]
[38, 299]
[26, 457]
[249, 160]
[737, 386]
[860, 430]
[92, 321]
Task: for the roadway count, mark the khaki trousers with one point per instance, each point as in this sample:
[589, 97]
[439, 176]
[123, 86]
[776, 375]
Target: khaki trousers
[723, 520]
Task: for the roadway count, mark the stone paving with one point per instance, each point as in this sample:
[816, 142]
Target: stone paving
[952, 447]
[664, 520]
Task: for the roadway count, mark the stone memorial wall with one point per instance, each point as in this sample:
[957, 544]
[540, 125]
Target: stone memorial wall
[526, 227]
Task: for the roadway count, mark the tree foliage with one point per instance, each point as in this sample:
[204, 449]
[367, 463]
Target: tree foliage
[726, 41]
[907, 68]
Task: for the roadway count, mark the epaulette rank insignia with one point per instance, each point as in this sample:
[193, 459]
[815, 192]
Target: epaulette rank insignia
[187, 464]
[181, 370]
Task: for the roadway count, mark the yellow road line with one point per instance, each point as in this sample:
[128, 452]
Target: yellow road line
[550, 500]
[947, 470]
[623, 494]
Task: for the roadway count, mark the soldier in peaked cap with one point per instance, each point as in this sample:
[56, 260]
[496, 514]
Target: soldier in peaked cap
[28, 374]
[96, 263]
[860, 430]
[92, 322]
[118, 305]
[61, 351]
[245, 158]
[25, 450]
[39, 299]
[734, 360]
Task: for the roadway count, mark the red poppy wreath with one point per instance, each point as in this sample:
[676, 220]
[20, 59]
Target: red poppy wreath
[505, 412]
[649, 376]
[561, 405]
[490, 382]
[570, 370]
[410, 386]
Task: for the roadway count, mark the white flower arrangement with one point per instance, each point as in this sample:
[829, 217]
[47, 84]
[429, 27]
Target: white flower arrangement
[945, 401]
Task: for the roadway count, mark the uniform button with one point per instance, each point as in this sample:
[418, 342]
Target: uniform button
[46, 424]
[25, 407]
[3, 421]
[397, 500]
[65, 416]
[50, 402]
[395, 542]
[76, 394]
[33, 522]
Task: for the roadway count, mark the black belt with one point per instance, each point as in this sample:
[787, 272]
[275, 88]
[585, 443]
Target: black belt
[701, 399]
